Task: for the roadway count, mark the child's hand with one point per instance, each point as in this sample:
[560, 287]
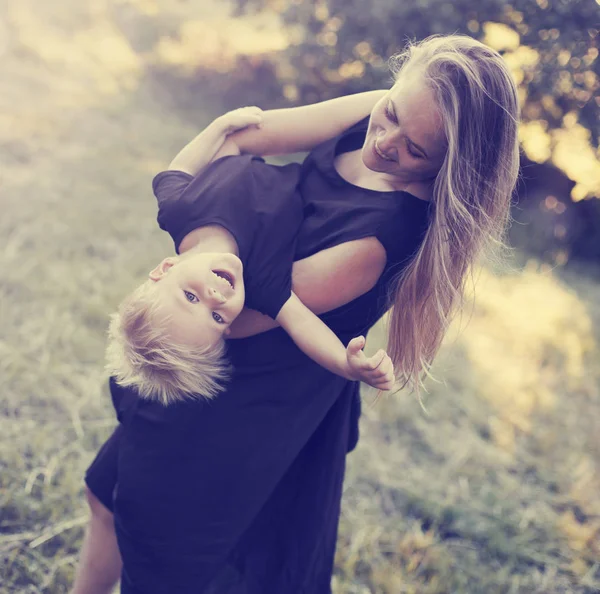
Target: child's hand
[241, 118]
[377, 371]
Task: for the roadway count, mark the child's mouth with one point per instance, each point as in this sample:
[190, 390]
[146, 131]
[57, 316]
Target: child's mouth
[225, 276]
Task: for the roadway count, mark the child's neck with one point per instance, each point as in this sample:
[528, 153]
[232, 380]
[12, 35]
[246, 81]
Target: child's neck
[210, 238]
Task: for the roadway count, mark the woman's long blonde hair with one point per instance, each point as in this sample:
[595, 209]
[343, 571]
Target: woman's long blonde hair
[477, 99]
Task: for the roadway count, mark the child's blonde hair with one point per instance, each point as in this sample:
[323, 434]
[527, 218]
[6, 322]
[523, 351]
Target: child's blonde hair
[142, 355]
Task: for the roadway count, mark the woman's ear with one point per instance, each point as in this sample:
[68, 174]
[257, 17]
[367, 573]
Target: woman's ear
[157, 273]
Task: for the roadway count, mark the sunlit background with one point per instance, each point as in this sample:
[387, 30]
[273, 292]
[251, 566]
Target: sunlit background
[495, 486]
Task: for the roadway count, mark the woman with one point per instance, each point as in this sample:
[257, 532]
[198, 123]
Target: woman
[245, 497]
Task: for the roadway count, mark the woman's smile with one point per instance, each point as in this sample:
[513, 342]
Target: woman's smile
[379, 153]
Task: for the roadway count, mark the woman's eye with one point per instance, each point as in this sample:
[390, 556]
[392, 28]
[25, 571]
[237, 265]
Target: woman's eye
[389, 115]
[412, 153]
[217, 318]
[190, 297]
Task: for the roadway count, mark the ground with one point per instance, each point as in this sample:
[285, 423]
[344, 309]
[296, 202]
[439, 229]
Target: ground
[491, 486]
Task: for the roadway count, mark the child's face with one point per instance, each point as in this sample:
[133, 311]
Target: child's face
[405, 137]
[202, 293]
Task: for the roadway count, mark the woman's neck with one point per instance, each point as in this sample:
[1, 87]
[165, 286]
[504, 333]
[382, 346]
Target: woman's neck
[351, 167]
[210, 238]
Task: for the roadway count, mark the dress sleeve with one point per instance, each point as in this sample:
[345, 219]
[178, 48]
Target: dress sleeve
[268, 290]
[258, 203]
[214, 196]
[168, 187]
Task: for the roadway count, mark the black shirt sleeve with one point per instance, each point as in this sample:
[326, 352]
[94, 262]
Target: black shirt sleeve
[216, 196]
[169, 187]
[256, 202]
[278, 210]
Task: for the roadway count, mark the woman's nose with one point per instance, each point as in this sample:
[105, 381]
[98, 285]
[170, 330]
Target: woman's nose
[386, 143]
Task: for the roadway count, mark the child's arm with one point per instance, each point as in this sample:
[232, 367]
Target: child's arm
[313, 337]
[208, 145]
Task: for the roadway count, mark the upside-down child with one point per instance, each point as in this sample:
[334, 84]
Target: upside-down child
[234, 221]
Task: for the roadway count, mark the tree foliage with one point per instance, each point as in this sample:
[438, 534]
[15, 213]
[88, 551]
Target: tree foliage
[342, 46]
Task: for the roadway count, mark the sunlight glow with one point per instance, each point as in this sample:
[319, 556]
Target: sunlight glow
[554, 332]
[500, 37]
[535, 140]
[574, 154]
[99, 54]
[216, 42]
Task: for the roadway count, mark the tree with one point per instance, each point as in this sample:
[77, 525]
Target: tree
[346, 43]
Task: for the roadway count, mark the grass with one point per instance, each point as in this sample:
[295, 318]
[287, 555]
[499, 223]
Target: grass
[495, 487]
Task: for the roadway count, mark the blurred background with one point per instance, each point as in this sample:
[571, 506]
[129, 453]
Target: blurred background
[493, 487]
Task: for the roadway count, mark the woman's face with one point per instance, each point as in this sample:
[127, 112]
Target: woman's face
[405, 138]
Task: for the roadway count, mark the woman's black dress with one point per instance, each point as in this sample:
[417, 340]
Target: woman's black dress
[242, 495]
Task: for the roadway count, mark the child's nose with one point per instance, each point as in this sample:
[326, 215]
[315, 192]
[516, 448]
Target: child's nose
[215, 296]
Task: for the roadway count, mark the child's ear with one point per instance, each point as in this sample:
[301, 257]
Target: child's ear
[227, 331]
[162, 269]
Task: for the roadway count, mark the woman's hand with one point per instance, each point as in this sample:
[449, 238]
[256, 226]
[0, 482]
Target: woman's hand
[241, 118]
[377, 371]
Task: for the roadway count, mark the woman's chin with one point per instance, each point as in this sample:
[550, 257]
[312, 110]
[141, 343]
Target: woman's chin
[368, 160]
[371, 162]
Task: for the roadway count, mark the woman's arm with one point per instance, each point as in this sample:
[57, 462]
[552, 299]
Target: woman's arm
[298, 129]
[325, 281]
[317, 341]
[275, 132]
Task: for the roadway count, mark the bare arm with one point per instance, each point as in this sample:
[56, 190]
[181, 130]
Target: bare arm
[313, 337]
[317, 341]
[297, 129]
[325, 281]
[274, 132]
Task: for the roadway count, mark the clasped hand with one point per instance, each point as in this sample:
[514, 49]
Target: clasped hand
[241, 118]
[377, 370]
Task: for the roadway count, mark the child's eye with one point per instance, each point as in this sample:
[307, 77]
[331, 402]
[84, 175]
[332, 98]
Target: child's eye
[190, 297]
[217, 318]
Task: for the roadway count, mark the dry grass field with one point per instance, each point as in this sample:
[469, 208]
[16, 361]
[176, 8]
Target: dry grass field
[494, 488]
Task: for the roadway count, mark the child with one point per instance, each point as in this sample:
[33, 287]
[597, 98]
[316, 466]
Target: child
[234, 223]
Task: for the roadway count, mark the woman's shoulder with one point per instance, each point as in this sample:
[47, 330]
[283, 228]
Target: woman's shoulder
[360, 126]
[353, 137]
[321, 158]
[422, 190]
